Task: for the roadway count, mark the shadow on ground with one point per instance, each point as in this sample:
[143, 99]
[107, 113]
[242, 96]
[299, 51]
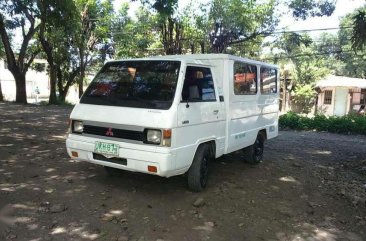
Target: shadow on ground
[310, 187]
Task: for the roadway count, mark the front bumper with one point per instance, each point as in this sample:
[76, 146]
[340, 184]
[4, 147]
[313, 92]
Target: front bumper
[138, 158]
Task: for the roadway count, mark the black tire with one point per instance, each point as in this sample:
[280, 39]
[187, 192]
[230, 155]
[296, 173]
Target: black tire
[254, 154]
[198, 172]
[112, 171]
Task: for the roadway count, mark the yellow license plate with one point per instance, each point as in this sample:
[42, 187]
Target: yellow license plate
[106, 148]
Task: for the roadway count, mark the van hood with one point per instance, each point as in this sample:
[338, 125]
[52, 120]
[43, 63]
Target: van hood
[152, 118]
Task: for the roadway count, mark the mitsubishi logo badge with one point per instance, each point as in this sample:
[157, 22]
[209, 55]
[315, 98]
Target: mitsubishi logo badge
[109, 132]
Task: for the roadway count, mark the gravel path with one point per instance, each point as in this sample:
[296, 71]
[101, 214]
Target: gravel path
[311, 186]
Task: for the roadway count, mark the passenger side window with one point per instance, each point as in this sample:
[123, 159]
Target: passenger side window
[198, 85]
[245, 79]
[268, 80]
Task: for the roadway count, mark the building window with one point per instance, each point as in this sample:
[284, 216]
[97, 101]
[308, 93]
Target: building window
[245, 79]
[363, 97]
[268, 80]
[328, 97]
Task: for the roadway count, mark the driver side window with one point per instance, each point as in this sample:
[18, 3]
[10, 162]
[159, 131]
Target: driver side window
[198, 85]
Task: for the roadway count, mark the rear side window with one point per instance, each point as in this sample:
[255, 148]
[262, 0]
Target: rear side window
[198, 85]
[245, 79]
[268, 80]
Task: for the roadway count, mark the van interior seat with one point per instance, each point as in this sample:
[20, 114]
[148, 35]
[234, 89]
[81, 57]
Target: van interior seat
[194, 92]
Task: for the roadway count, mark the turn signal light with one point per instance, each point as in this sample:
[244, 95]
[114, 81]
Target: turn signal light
[167, 137]
[152, 169]
[167, 133]
[74, 154]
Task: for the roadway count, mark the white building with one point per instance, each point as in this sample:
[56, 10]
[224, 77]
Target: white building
[34, 79]
[340, 95]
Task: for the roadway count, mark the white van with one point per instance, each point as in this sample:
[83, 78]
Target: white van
[171, 115]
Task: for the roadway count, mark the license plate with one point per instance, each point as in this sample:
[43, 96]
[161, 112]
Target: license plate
[106, 148]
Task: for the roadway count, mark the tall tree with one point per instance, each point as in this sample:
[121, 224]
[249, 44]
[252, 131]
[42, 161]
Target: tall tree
[359, 29]
[196, 28]
[172, 34]
[351, 55]
[237, 21]
[94, 28]
[298, 51]
[170, 27]
[19, 14]
[135, 38]
[55, 35]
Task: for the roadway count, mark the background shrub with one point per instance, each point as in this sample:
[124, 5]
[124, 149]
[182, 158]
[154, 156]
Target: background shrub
[351, 123]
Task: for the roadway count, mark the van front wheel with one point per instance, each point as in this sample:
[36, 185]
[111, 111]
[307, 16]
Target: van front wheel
[198, 172]
[254, 154]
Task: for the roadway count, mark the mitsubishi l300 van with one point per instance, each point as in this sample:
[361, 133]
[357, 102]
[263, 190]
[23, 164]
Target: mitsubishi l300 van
[171, 115]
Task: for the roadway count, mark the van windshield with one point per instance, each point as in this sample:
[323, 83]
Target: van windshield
[140, 84]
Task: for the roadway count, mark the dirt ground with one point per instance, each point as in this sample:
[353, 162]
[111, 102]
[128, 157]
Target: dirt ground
[311, 186]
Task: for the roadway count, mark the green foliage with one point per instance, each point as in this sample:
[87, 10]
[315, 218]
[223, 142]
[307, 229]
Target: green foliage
[354, 62]
[351, 123]
[38, 67]
[303, 67]
[233, 22]
[165, 7]
[359, 30]
[305, 8]
[304, 96]
[135, 38]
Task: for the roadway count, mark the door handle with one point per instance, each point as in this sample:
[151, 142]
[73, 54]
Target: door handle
[215, 112]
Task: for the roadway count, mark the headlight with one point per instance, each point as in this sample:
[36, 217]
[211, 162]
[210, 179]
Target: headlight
[153, 136]
[77, 126]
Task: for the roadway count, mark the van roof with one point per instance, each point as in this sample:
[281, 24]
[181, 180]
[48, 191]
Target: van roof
[193, 57]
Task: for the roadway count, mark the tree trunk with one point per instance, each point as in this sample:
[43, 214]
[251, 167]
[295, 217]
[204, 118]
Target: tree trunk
[66, 90]
[82, 73]
[61, 91]
[284, 94]
[1, 93]
[53, 98]
[81, 82]
[19, 67]
[21, 92]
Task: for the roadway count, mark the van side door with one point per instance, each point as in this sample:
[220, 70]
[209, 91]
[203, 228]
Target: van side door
[200, 114]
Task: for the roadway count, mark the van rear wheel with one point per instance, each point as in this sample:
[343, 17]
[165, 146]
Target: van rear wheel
[198, 172]
[254, 154]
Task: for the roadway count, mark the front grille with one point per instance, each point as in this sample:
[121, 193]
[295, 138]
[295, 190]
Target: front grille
[117, 160]
[117, 133]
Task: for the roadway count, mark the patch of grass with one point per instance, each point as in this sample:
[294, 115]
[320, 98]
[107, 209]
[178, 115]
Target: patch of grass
[351, 123]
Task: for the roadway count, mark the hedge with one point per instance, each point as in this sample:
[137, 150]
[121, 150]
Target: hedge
[351, 123]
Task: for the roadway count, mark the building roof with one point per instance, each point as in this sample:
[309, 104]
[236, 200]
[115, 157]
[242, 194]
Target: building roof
[341, 81]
